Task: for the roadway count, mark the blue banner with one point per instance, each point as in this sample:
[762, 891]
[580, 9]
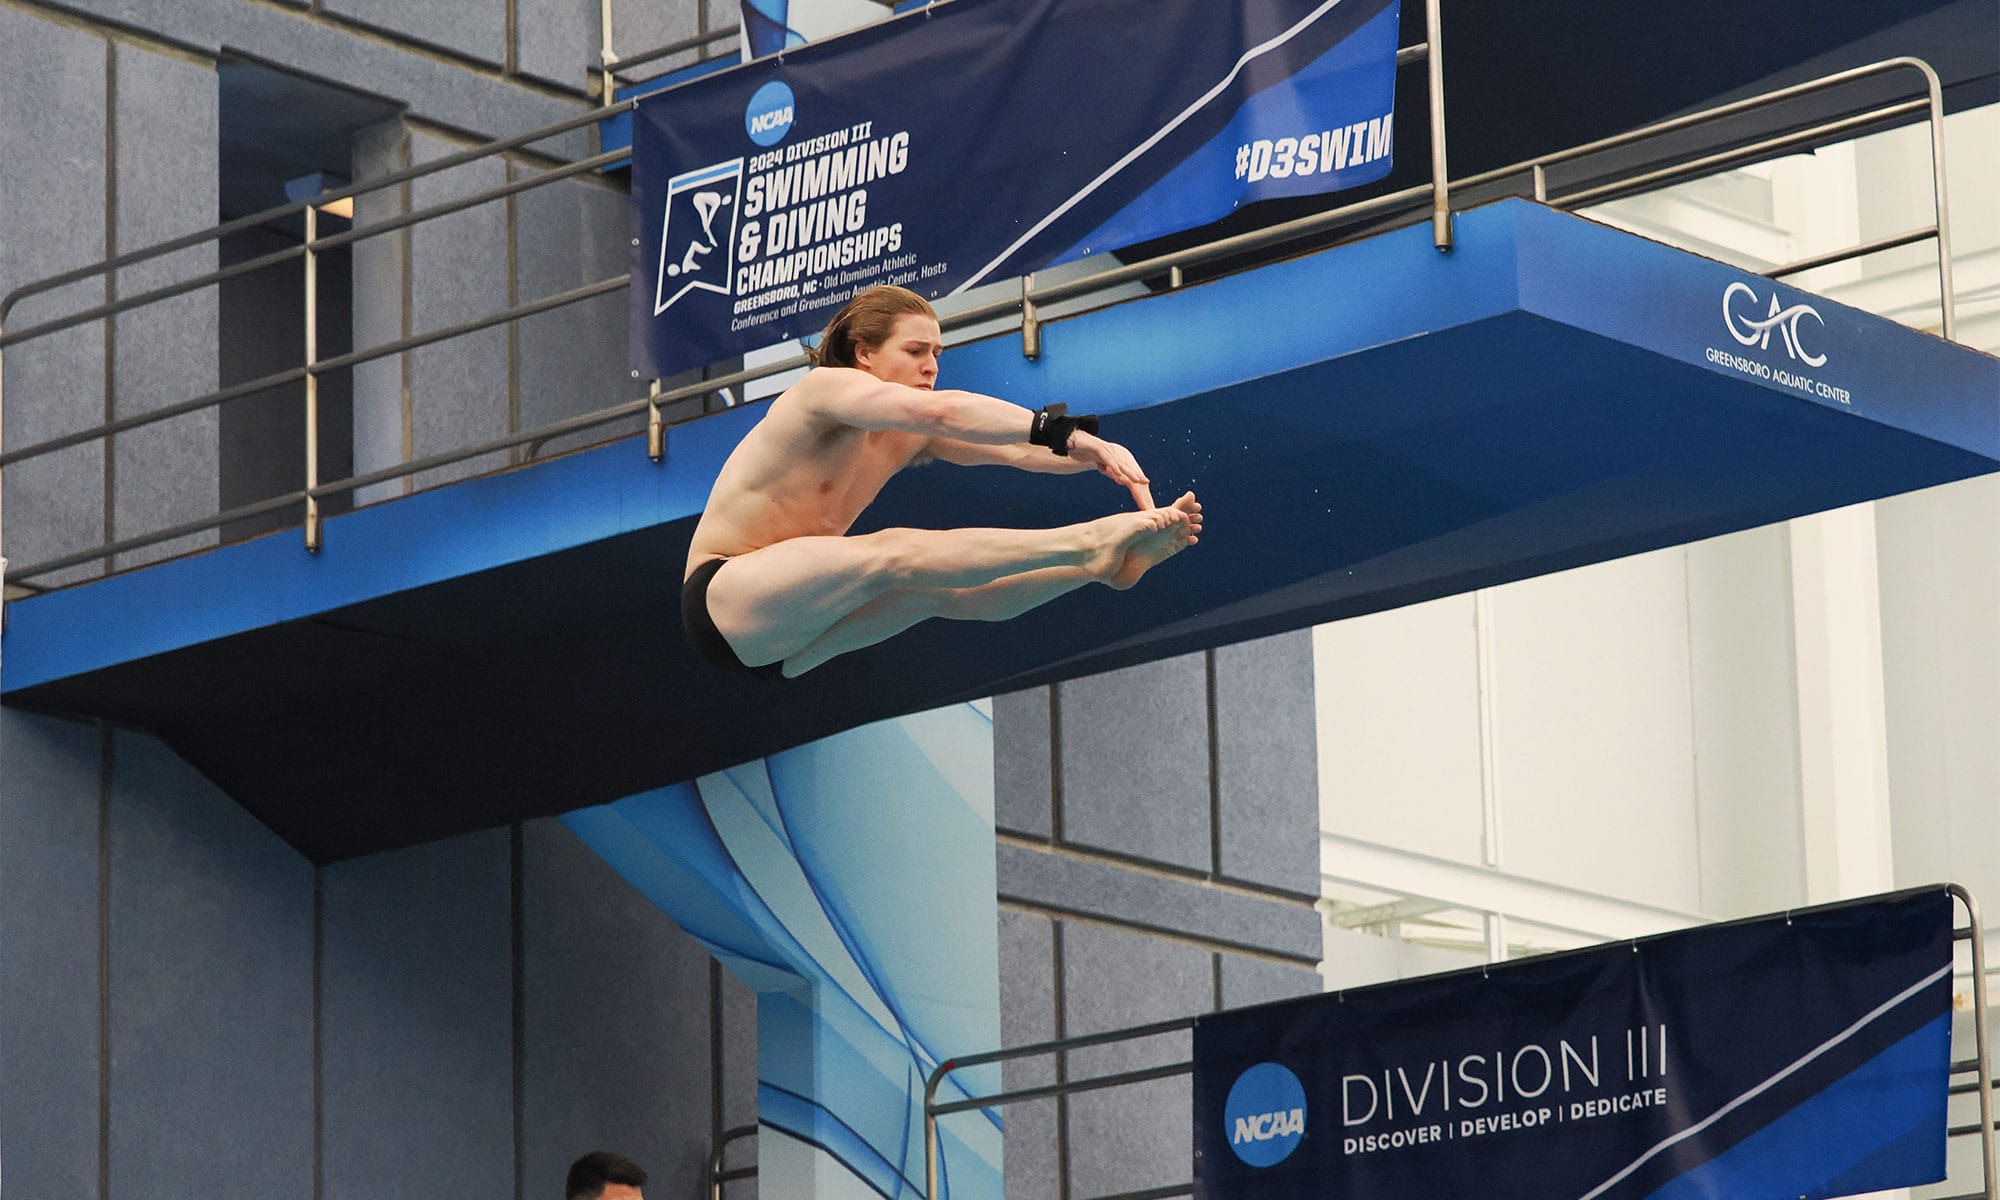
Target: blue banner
[1780, 1059]
[982, 139]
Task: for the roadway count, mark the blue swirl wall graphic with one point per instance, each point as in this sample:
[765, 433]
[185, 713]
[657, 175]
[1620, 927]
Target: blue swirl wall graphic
[766, 28]
[851, 883]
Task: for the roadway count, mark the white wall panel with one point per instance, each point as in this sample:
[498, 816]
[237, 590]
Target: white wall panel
[1746, 735]
[1398, 728]
[1594, 739]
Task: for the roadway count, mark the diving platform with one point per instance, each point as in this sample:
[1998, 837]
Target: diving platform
[1371, 426]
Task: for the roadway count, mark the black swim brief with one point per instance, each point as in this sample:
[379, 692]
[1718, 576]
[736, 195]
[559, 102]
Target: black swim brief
[708, 640]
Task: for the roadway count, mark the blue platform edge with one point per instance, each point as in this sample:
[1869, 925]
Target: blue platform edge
[1510, 257]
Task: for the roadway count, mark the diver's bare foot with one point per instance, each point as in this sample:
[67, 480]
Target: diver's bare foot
[1110, 539]
[1182, 530]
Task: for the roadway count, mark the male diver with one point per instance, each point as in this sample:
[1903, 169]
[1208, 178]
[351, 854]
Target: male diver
[774, 586]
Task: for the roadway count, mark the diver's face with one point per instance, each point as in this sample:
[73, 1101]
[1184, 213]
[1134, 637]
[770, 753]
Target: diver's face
[909, 355]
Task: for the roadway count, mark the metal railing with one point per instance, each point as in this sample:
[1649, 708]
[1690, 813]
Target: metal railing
[717, 1174]
[1979, 1067]
[611, 67]
[1309, 232]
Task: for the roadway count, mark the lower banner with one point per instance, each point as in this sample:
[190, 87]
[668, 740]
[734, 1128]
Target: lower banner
[1787, 1058]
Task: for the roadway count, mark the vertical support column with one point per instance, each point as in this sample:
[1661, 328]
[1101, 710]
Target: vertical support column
[312, 377]
[1843, 728]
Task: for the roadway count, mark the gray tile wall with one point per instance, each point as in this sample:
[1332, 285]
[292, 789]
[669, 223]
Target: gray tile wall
[51, 220]
[416, 1021]
[210, 997]
[466, 1016]
[458, 272]
[50, 1044]
[1158, 858]
[603, 1063]
[556, 35]
[474, 29]
[166, 152]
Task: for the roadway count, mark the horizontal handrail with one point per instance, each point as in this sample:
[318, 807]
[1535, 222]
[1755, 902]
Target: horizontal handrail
[167, 534]
[1158, 1193]
[1065, 1088]
[1892, 242]
[623, 61]
[322, 367]
[1706, 115]
[1082, 1041]
[444, 333]
[1723, 160]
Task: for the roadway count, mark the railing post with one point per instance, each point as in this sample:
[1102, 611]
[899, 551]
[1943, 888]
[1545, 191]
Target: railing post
[930, 1129]
[312, 378]
[1031, 321]
[1987, 1167]
[1440, 170]
[656, 425]
[606, 57]
[3, 487]
[1947, 294]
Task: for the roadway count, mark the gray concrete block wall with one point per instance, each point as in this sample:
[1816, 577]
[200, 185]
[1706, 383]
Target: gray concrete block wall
[210, 1001]
[555, 35]
[416, 1021]
[1136, 742]
[380, 267]
[1033, 1163]
[1158, 858]
[50, 1044]
[51, 220]
[1071, 977]
[1137, 1136]
[464, 1016]
[166, 151]
[474, 29]
[467, 88]
[602, 1064]
[571, 360]
[1263, 716]
[458, 389]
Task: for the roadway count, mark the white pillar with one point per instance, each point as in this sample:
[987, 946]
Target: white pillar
[1843, 734]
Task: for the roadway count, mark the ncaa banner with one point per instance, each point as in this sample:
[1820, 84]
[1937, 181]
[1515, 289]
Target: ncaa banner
[1776, 1059]
[982, 139]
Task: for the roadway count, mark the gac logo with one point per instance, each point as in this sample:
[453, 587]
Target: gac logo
[1756, 331]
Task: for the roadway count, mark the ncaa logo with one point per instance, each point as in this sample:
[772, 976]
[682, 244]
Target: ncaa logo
[1265, 1115]
[1756, 331]
[769, 117]
[698, 233]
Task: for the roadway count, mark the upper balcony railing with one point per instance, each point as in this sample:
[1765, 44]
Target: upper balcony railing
[1432, 200]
